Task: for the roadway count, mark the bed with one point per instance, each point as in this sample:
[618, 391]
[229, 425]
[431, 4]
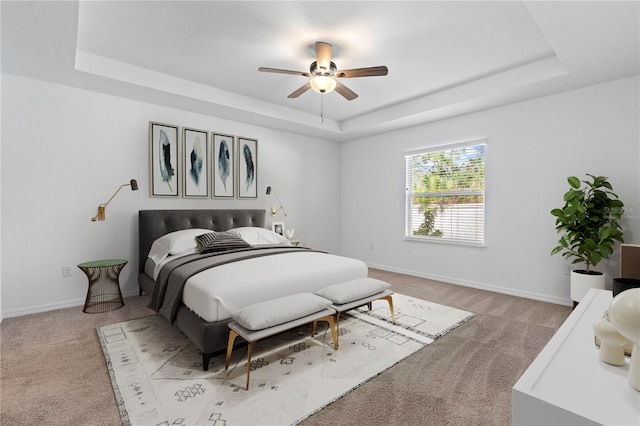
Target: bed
[200, 299]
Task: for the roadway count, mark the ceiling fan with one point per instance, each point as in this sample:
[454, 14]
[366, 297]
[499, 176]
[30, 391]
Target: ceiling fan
[323, 74]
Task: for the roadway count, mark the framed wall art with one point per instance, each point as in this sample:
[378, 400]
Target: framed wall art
[224, 166]
[195, 163]
[164, 167]
[278, 227]
[247, 168]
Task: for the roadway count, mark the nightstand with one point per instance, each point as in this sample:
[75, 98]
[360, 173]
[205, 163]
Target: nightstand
[103, 294]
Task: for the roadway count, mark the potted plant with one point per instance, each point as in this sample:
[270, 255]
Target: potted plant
[588, 222]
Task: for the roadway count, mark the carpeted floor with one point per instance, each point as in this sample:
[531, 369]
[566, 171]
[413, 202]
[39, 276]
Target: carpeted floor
[53, 371]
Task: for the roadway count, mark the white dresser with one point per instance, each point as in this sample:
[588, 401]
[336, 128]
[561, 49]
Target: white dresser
[567, 384]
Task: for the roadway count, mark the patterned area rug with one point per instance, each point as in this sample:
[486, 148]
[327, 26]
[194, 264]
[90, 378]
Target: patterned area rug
[158, 379]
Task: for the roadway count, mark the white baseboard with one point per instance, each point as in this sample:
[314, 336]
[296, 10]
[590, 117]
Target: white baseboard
[480, 286]
[52, 306]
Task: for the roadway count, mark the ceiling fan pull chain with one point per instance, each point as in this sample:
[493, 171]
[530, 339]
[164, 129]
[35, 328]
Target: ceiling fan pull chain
[322, 107]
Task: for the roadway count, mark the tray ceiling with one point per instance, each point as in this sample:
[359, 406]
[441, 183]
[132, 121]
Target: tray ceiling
[444, 58]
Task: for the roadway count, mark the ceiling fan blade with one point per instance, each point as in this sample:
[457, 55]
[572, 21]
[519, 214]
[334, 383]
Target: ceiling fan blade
[300, 91]
[362, 72]
[279, 71]
[345, 91]
[323, 55]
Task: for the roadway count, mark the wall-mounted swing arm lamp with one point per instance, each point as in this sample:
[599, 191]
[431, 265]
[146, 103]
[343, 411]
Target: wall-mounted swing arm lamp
[275, 211]
[103, 207]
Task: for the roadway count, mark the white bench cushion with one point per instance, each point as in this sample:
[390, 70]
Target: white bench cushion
[350, 291]
[279, 311]
[255, 335]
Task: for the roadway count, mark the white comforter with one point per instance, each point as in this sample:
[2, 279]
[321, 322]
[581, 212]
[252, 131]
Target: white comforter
[217, 293]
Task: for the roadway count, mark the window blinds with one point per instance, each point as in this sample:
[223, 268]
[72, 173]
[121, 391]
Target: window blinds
[445, 189]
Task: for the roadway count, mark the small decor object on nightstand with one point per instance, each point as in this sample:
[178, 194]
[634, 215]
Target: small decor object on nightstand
[288, 233]
[104, 293]
[612, 343]
[624, 314]
[278, 228]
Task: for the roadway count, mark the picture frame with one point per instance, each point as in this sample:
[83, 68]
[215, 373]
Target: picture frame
[278, 228]
[223, 160]
[164, 164]
[247, 167]
[195, 163]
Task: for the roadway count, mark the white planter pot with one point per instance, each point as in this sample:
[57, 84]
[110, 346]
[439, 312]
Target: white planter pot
[581, 283]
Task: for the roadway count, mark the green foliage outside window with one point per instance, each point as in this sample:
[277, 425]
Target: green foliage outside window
[426, 228]
[455, 170]
[446, 177]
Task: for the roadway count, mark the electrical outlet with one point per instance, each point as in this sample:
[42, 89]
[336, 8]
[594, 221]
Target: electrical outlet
[66, 271]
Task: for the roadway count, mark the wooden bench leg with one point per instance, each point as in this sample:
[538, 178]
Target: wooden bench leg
[232, 339]
[249, 363]
[390, 300]
[332, 326]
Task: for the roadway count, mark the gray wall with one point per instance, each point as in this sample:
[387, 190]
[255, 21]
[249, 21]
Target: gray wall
[531, 149]
[65, 150]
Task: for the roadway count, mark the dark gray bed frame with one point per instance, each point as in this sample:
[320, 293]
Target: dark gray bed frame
[209, 337]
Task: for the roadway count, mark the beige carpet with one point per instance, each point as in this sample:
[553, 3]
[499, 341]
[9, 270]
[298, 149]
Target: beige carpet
[53, 371]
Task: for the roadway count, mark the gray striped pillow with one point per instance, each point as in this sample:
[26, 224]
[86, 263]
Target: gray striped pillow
[220, 241]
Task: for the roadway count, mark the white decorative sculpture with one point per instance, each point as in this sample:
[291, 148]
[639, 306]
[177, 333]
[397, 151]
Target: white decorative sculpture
[624, 314]
[289, 233]
[612, 343]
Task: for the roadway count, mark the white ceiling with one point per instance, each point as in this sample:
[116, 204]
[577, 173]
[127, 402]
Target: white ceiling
[445, 57]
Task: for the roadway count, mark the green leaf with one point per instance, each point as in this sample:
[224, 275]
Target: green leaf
[557, 212]
[606, 250]
[573, 196]
[574, 182]
[604, 233]
[571, 210]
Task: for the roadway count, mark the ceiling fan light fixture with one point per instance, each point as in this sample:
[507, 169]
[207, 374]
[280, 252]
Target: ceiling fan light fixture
[323, 83]
[323, 74]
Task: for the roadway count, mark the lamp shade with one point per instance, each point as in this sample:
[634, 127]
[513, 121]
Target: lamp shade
[323, 83]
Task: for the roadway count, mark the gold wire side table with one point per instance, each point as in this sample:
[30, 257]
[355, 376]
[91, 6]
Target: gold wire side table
[104, 293]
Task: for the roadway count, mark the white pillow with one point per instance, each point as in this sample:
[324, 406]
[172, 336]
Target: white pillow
[260, 236]
[175, 243]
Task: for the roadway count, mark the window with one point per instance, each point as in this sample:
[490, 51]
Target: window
[445, 193]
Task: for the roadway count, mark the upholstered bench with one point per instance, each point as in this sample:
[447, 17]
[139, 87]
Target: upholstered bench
[355, 293]
[274, 316]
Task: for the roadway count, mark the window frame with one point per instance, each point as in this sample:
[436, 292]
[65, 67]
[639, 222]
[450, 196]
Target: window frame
[408, 236]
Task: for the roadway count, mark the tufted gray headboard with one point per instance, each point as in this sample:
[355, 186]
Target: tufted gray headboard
[152, 224]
